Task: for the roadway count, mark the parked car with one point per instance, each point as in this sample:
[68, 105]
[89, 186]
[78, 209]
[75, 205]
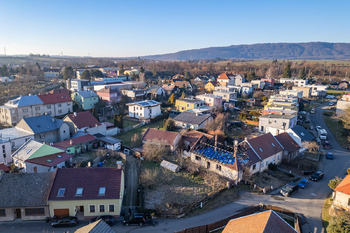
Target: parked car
[304, 183]
[327, 145]
[318, 128]
[138, 218]
[66, 221]
[329, 156]
[289, 189]
[302, 112]
[107, 218]
[317, 176]
[312, 110]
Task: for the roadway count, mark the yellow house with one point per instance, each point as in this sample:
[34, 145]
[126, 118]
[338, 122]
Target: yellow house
[187, 103]
[129, 72]
[87, 192]
[210, 86]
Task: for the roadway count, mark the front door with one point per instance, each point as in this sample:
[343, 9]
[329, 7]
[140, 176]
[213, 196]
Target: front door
[81, 209]
[18, 213]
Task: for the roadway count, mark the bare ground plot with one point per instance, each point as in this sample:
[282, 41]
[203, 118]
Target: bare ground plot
[276, 179]
[91, 155]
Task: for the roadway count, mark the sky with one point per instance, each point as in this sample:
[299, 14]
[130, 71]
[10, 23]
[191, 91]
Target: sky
[113, 28]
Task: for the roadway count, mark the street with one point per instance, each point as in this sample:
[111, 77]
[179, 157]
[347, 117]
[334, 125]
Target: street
[308, 202]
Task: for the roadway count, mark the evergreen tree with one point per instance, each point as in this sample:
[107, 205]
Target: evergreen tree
[172, 99]
[68, 73]
[287, 71]
[95, 113]
[142, 70]
[118, 121]
[183, 95]
[303, 74]
[85, 75]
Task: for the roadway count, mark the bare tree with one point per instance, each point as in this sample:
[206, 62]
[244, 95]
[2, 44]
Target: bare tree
[313, 146]
[258, 94]
[214, 181]
[155, 149]
[219, 123]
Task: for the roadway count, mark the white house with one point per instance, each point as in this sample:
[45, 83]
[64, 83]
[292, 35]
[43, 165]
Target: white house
[295, 93]
[277, 121]
[343, 104]
[191, 120]
[341, 194]
[144, 109]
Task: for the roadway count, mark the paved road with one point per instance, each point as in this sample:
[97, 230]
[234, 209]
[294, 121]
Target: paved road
[309, 202]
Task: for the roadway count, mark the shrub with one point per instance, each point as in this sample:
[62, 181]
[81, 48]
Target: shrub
[272, 167]
[327, 113]
[348, 171]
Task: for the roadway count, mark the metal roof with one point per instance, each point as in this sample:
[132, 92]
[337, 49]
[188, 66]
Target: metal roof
[87, 94]
[146, 103]
[44, 123]
[25, 101]
[191, 118]
[303, 133]
[14, 133]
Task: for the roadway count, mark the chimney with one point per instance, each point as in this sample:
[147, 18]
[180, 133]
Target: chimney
[71, 142]
[119, 164]
[75, 114]
[235, 143]
[197, 114]
[95, 125]
[216, 141]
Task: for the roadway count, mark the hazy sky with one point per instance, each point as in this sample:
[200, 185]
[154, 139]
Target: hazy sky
[135, 28]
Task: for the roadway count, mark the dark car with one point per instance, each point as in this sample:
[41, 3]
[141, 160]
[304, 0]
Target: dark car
[329, 156]
[327, 145]
[304, 183]
[107, 218]
[66, 221]
[138, 218]
[317, 176]
[289, 189]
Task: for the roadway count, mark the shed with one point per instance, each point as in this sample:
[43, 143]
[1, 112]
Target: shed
[170, 166]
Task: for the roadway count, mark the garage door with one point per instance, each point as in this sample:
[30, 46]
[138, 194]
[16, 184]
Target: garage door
[61, 212]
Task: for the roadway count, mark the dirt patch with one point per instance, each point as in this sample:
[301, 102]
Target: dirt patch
[91, 155]
[275, 179]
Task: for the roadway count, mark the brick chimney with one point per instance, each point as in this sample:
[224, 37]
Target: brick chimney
[216, 141]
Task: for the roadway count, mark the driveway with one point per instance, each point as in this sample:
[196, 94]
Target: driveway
[308, 202]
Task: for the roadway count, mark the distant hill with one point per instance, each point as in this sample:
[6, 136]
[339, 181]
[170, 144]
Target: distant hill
[290, 51]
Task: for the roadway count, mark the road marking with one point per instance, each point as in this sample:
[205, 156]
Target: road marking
[313, 194]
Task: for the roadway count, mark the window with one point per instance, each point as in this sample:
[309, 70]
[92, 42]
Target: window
[79, 192]
[92, 208]
[14, 118]
[25, 110]
[48, 106]
[59, 111]
[3, 147]
[208, 164]
[254, 166]
[218, 167]
[111, 208]
[68, 104]
[102, 191]
[188, 105]
[198, 158]
[35, 211]
[61, 192]
[278, 157]
[37, 108]
[2, 213]
[102, 208]
[267, 163]
[59, 105]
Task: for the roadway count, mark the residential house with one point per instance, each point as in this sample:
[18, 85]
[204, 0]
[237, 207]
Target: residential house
[210, 86]
[170, 89]
[301, 136]
[77, 145]
[113, 77]
[90, 192]
[184, 85]
[343, 85]
[86, 99]
[211, 100]
[5, 155]
[263, 222]
[16, 137]
[45, 128]
[341, 194]
[270, 82]
[291, 147]
[237, 80]
[170, 139]
[260, 84]
[109, 95]
[295, 80]
[109, 69]
[283, 100]
[135, 94]
[132, 70]
[343, 104]
[35, 157]
[51, 73]
[224, 79]
[24, 196]
[306, 91]
[227, 89]
[280, 111]
[156, 91]
[110, 143]
[85, 122]
[190, 120]
[96, 227]
[57, 104]
[144, 109]
[189, 138]
[201, 79]
[334, 86]
[294, 93]
[188, 103]
[251, 102]
[251, 86]
[60, 90]
[15, 110]
[226, 95]
[77, 84]
[276, 123]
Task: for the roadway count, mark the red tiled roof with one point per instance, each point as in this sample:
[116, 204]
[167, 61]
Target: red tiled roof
[4, 167]
[179, 84]
[83, 119]
[265, 145]
[50, 160]
[193, 136]
[213, 82]
[151, 134]
[74, 141]
[90, 179]
[287, 142]
[224, 76]
[55, 98]
[265, 222]
[344, 186]
[167, 87]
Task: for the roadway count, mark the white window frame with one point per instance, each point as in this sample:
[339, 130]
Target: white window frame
[99, 208]
[94, 208]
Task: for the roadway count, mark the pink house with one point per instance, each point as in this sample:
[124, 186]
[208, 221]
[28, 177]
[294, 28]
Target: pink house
[211, 100]
[109, 94]
[269, 81]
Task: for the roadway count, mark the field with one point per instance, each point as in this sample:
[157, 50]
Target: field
[336, 128]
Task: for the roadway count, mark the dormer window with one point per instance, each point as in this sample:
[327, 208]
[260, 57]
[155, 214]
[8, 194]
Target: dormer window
[102, 191]
[61, 192]
[79, 191]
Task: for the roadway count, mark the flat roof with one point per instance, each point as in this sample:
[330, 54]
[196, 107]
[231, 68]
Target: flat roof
[145, 103]
[13, 133]
[278, 116]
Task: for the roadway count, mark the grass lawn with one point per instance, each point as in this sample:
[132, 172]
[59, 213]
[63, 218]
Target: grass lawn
[336, 92]
[126, 137]
[336, 129]
[313, 154]
[325, 211]
[126, 123]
